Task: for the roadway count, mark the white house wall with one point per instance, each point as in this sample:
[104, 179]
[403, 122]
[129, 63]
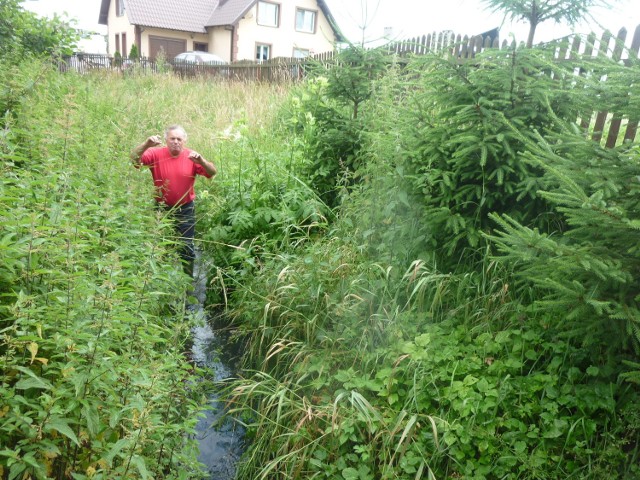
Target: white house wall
[285, 38]
[118, 26]
[282, 40]
[220, 42]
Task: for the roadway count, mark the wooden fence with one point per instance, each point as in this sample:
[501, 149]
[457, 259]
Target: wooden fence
[459, 47]
[600, 125]
[467, 47]
[276, 70]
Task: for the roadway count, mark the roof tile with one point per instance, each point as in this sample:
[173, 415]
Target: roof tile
[229, 12]
[192, 15]
[184, 15]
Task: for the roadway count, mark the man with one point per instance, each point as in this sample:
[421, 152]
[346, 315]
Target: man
[174, 168]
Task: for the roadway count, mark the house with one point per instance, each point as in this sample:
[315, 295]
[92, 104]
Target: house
[232, 29]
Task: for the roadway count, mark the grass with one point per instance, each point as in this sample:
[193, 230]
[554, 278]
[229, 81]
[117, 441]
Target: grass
[91, 315]
[362, 359]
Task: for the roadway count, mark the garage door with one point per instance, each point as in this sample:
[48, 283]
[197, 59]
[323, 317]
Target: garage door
[171, 47]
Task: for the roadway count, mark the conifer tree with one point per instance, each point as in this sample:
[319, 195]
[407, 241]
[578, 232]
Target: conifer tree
[586, 274]
[536, 12]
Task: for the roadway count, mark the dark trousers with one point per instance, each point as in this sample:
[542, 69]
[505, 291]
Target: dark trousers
[185, 223]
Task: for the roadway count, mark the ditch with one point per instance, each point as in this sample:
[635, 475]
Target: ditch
[220, 438]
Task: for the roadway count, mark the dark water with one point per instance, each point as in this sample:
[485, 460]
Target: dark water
[219, 437]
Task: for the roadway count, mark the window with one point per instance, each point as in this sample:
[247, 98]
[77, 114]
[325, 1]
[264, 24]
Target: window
[268, 14]
[263, 52]
[305, 21]
[200, 47]
[119, 8]
[300, 53]
[118, 43]
[124, 45]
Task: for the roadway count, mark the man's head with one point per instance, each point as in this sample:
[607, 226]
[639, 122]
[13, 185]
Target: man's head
[176, 138]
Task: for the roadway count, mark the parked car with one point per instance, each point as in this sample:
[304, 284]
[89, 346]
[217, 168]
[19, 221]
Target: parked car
[198, 58]
[191, 64]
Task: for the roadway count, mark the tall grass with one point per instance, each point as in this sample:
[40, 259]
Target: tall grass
[366, 359]
[94, 381]
[363, 358]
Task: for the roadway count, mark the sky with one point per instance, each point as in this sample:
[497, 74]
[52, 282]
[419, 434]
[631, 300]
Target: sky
[369, 20]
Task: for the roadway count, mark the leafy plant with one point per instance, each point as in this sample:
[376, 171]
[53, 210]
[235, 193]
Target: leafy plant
[91, 324]
[586, 274]
[133, 53]
[24, 33]
[464, 146]
[328, 115]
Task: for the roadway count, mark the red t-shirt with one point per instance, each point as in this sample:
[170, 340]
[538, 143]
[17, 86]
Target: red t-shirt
[173, 177]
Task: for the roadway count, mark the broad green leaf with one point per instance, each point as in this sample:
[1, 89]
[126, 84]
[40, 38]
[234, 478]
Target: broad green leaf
[90, 414]
[33, 381]
[33, 349]
[60, 425]
[350, 474]
[115, 450]
[140, 464]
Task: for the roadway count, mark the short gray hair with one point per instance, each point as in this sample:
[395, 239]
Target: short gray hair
[175, 127]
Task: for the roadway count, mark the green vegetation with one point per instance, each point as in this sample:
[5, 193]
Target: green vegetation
[471, 309]
[536, 12]
[24, 33]
[433, 274]
[94, 381]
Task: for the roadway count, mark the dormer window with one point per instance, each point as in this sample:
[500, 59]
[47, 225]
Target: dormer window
[305, 20]
[268, 14]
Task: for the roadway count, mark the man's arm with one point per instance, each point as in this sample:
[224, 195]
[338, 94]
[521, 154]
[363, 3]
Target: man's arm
[137, 152]
[208, 166]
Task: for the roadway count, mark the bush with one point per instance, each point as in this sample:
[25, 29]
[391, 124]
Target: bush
[24, 34]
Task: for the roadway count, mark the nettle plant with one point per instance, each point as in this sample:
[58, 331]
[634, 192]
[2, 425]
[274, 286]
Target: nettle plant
[93, 379]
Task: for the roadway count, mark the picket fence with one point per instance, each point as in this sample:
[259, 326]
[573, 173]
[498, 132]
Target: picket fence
[601, 126]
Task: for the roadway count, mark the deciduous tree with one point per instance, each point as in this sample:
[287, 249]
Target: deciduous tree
[25, 33]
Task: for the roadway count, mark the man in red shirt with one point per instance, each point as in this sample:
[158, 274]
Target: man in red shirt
[174, 168]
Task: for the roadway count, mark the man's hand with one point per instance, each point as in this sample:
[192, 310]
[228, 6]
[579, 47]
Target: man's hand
[195, 157]
[209, 167]
[136, 153]
[154, 141]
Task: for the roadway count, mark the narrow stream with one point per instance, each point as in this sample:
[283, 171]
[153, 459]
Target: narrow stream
[220, 439]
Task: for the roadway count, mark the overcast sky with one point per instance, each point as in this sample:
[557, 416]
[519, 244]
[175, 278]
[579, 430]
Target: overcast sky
[368, 19]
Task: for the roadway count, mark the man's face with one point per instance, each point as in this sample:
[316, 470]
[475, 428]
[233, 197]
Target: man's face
[175, 142]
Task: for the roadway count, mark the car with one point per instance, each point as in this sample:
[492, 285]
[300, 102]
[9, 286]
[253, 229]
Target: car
[198, 58]
[190, 64]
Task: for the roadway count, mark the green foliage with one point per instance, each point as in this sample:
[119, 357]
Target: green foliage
[18, 84]
[397, 347]
[351, 79]
[536, 12]
[23, 33]
[373, 347]
[364, 375]
[587, 274]
[328, 114]
[261, 208]
[133, 53]
[469, 126]
[91, 297]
